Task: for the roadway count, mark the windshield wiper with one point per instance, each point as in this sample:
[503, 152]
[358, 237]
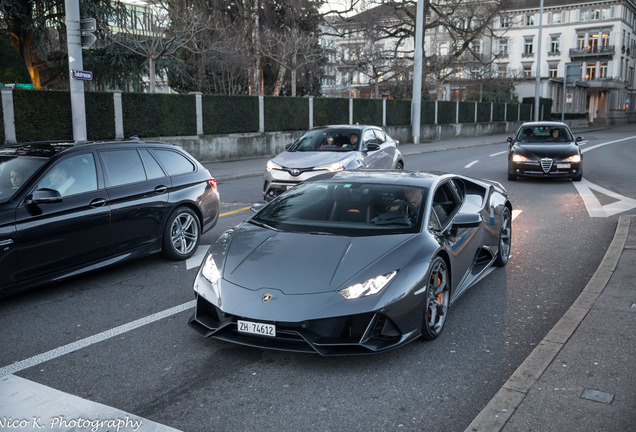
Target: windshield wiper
[262, 225]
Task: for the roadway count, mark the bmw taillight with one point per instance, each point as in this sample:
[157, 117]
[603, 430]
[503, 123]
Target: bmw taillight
[212, 182]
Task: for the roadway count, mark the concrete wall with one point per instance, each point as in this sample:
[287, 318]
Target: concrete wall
[218, 148]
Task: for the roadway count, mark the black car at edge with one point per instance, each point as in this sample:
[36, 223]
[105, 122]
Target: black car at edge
[68, 208]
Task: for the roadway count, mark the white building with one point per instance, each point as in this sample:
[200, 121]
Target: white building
[597, 35]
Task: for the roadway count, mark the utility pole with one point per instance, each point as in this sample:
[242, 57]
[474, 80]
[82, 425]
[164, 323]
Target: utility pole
[75, 64]
[537, 93]
[416, 104]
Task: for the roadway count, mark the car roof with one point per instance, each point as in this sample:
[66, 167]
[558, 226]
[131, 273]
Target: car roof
[50, 148]
[544, 123]
[394, 177]
[345, 126]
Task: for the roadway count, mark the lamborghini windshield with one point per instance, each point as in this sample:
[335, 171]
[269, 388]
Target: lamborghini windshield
[353, 209]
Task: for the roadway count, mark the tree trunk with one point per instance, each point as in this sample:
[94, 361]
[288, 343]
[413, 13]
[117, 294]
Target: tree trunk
[279, 80]
[151, 73]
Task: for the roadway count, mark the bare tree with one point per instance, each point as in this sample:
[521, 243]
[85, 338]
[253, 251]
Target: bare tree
[161, 30]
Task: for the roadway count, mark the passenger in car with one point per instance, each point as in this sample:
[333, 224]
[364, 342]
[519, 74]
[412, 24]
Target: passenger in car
[16, 179]
[60, 180]
[554, 135]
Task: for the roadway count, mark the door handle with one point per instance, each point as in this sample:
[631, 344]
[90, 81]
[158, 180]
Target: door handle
[97, 202]
[161, 189]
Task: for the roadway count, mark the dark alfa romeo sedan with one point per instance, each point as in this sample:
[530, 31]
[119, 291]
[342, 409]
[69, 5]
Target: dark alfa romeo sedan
[545, 149]
[68, 208]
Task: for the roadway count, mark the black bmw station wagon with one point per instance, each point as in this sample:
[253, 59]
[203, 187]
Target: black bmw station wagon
[68, 208]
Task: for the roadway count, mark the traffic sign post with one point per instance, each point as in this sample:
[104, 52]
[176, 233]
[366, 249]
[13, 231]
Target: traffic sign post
[87, 29]
[572, 73]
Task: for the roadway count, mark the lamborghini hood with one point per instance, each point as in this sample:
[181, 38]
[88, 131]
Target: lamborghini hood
[300, 263]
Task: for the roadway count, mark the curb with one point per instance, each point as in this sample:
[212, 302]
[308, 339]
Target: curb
[503, 405]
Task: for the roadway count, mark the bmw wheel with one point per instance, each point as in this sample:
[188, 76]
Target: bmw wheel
[181, 234]
[505, 232]
[437, 299]
[399, 165]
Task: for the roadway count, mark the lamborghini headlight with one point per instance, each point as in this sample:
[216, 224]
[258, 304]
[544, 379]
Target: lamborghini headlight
[273, 166]
[519, 158]
[209, 269]
[575, 159]
[368, 287]
[338, 166]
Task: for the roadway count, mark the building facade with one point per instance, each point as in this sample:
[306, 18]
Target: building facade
[591, 42]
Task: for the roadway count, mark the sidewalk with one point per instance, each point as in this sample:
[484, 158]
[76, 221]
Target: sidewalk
[581, 376]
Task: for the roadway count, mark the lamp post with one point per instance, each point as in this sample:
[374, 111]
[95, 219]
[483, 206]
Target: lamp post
[416, 104]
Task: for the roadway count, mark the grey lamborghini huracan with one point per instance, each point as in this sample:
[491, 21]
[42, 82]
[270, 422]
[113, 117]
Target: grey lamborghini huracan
[352, 262]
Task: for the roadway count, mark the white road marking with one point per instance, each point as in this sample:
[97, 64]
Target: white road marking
[29, 406]
[471, 164]
[196, 259]
[595, 208]
[499, 153]
[516, 213]
[607, 143]
[83, 343]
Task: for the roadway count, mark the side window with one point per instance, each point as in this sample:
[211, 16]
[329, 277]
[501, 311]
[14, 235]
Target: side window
[72, 176]
[445, 203]
[153, 170]
[369, 137]
[174, 163]
[379, 133]
[123, 167]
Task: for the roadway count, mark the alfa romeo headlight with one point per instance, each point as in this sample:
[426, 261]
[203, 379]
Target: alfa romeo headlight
[273, 166]
[519, 158]
[368, 287]
[338, 166]
[209, 269]
[575, 158]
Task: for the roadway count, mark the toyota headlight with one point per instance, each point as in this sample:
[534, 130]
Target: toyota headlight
[338, 166]
[575, 159]
[368, 287]
[273, 166]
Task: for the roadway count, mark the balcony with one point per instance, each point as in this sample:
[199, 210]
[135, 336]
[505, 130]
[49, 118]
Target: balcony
[592, 52]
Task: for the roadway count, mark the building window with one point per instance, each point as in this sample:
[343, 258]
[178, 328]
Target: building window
[503, 47]
[584, 15]
[602, 70]
[590, 71]
[529, 20]
[476, 46]
[555, 45]
[527, 71]
[506, 22]
[580, 42]
[528, 46]
[443, 49]
[502, 70]
[553, 70]
[556, 17]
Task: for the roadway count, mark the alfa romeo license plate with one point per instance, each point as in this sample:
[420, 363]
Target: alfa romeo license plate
[255, 328]
[563, 166]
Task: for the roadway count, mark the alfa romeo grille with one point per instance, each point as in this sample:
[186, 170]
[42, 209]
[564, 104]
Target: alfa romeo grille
[546, 164]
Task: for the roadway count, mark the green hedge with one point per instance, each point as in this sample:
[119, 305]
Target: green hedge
[483, 112]
[367, 111]
[467, 112]
[446, 112]
[2, 128]
[329, 111]
[427, 114]
[229, 114]
[498, 112]
[152, 115]
[286, 113]
[100, 116]
[42, 115]
[398, 112]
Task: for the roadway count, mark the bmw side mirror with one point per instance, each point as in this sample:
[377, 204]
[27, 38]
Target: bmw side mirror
[509, 139]
[45, 196]
[373, 146]
[579, 139]
[287, 146]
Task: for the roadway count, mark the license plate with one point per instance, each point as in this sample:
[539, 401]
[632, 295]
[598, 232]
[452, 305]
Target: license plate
[563, 165]
[255, 328]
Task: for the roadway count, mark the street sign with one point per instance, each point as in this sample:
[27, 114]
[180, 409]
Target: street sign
[87, 27]
[569, 97]
[82, 75]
